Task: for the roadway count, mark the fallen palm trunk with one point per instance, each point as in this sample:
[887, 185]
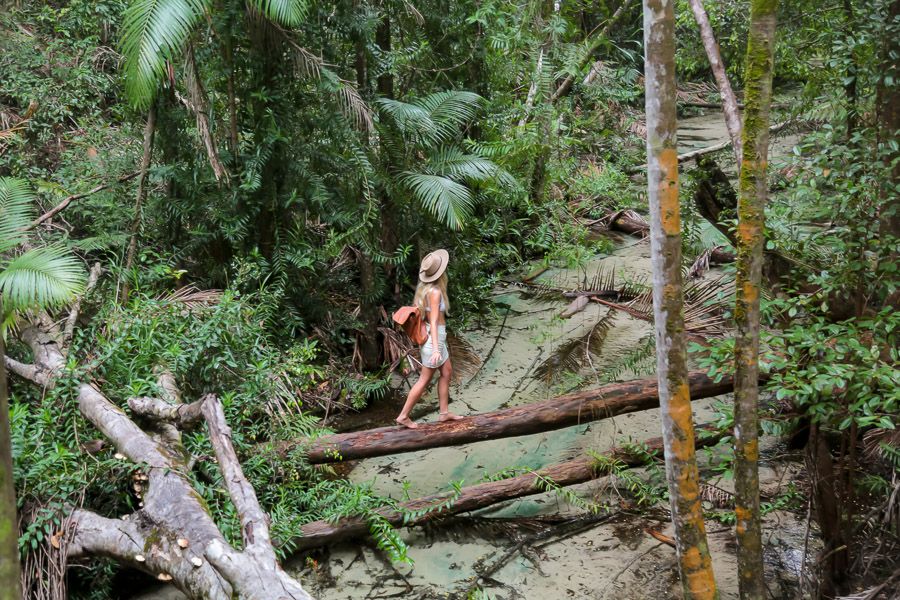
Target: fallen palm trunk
[556, 413]
[428, 508]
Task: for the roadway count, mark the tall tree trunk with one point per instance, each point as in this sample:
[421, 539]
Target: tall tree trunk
[233, 142]
[9, 546]
[850, 77]
[149, 132]
[694, 561]
[750, 240]
[729, 102]
[888, 110]
[368, 349]
[383, 40]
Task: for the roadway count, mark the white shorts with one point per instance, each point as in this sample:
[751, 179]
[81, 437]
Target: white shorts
[428, 348]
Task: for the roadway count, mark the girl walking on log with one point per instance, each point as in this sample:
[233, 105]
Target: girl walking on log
[433, 303]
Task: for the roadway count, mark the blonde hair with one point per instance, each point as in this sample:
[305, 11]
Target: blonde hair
[423, 290]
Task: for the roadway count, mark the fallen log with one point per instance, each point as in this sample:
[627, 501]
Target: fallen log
[556, 413]
[429, 508]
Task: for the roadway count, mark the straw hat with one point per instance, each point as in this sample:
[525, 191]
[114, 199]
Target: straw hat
[433, 266]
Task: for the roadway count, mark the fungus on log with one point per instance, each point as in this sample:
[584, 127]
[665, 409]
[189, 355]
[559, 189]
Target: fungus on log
[556, 413]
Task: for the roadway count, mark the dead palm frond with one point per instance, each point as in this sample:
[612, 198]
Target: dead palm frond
[192, 297]
[577, 353]
[703, 303]
[465, 360]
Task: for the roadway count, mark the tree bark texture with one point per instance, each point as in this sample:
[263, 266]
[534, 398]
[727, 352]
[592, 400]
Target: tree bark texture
[729, 102]
[149, 132]
[695, 564]
[556, 413]
[10, 587]
[173, 536]
[748, 281]
[473, 497]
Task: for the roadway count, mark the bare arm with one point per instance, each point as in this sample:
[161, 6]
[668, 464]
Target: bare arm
[434, 302]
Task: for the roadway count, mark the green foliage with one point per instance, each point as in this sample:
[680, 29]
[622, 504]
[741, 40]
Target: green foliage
[646, 491]
[38, 278]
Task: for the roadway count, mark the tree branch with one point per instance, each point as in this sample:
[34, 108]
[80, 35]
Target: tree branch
[76, 306]
[254, 521]
[185, 416]
[566, 85]
[30, 372]
[69, 199]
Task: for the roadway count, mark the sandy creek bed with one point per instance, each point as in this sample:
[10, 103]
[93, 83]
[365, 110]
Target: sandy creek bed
[614, 559]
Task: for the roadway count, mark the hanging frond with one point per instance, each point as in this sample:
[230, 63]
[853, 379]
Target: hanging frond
[16, 211]
[289, 13]
[154, 32]
[577, 353]
[450, 202]
[41, 278]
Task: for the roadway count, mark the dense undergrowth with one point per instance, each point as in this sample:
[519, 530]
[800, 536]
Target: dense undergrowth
[347, 150]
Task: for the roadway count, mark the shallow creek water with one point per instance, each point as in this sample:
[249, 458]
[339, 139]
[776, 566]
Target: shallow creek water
[615, 559]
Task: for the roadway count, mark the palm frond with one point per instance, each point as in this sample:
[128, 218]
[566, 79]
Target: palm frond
[411, 120]
[465, 360]
[575, 354]
[450, 202]
[41, 278]
[453, 162]
[153, 32]
[289, 13]
[16, 211]
[450, 110]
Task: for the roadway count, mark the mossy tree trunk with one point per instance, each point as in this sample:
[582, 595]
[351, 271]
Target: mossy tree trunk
[9, 547]
[694, 560]
[750, 240]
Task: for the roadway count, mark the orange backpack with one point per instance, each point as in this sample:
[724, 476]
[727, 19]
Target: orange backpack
[410, 320]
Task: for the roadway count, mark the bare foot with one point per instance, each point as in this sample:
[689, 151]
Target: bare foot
[407, 422]
[448, 416]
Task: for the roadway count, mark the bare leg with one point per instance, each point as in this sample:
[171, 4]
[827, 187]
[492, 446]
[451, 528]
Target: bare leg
[415, 393]
[444, 393]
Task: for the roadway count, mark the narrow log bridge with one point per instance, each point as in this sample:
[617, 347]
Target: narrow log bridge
[556, 413]
[579, 470]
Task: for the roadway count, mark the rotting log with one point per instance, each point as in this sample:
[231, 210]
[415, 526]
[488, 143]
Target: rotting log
[579, 470]
[555, 413]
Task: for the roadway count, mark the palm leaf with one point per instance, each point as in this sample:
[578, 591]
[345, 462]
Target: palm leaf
[41, 278]
[450, 202]
[412, 121]
[453, 162]
[289, 13]
[573, 355]
[15, 211]
[154, 32]
[450, 111]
